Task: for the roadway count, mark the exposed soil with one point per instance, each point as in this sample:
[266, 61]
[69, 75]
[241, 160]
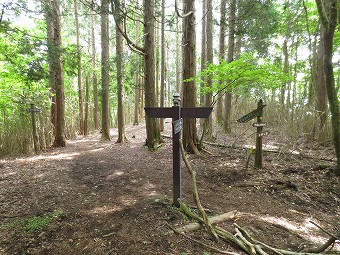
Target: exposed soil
[116, 198]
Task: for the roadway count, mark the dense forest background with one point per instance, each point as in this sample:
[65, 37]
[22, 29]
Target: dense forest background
[90, 65]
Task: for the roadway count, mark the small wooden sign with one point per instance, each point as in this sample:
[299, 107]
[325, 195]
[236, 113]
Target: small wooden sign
[34, 110]
[177, 126]
[263, 134]
[262, 124]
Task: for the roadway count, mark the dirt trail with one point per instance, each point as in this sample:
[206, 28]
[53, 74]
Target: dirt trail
[113, 198]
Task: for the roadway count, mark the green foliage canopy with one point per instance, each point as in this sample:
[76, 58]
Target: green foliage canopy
[243, 76]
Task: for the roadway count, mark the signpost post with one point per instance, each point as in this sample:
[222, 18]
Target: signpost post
[176, 112]
[33, 110]
[257, 113]
[259, 126]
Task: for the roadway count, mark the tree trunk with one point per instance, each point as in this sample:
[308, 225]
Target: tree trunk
[137, 83]
[328, 15]
[153, 136]
[209, 60]
[230, 58]
[219, 110]
[105, 70]
[178, 59]
[162, 97]
[51, 62]
[94, 75]
[203, 50]
[59, 140]
[120, 75]
[87, 99]
[190, 138]
[320, 88]
[80, 89]
[286, 71]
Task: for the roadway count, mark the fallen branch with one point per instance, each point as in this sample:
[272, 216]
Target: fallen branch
[270, 151]
[195, 191]
[213, 220]
[201, 243]
[328, 243]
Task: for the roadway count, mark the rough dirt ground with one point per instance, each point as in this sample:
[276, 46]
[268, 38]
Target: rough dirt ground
[113, 198]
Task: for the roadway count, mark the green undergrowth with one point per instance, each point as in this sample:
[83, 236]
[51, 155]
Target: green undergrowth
[34, 224]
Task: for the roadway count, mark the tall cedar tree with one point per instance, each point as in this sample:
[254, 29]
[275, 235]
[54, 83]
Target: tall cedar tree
[105, 70]
[190, 138]
[230, 58]
[56, 69]
[153, 135]
[328, 11]
[120, 75]
[94, 73]
[80, 85]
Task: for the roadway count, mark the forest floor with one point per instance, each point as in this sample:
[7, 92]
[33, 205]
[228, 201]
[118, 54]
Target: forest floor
[100, 198]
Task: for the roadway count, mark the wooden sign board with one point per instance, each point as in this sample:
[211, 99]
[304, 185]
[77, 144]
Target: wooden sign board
[262, 124]
[34, 110]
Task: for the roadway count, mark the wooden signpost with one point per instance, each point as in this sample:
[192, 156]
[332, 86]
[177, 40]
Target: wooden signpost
[257, 113]
[176, 112]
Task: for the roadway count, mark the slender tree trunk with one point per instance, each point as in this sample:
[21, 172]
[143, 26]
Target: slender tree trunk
[320, 88]
[219, 108]
[87, 99]
[51, 61]
[230, 58]
[203, 51]
[105, 70]
[162, 97]
[59, 140]
[285, 70]
[137, 84]
[178, 58]
[94, 73]
[120, 75]
[209, 60]
[328, 14]
[80, 89]
[152, 125]
[190, 138]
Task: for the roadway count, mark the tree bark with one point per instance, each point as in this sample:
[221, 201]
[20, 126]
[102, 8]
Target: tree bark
[328, 14]
[203, 50]
[153, 137]
[162, 96]
[105, 70]
[210, 59]
[219, 107]
[94, 74]
[51, 62]
[320, 89]
[230, 58]
[87, 101]
[59, 140]
[80, 88]
[190, 138]
[120, 75]
[137, 83]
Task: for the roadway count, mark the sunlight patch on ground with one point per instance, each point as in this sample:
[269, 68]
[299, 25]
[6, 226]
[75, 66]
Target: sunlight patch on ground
[57, 156]
[114, 175]
[81, 141]
[128, 200]
[95, 150]
[305, 229]
[104, 210]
